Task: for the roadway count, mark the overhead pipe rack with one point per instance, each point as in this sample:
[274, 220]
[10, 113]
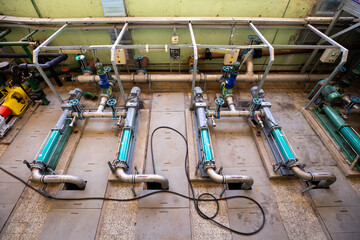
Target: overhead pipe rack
[194, 45]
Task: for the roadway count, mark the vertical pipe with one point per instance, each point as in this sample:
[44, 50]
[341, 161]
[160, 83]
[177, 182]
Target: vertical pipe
[271, 59]
[28, 53]
[194, 64]
[118, 39]
[36, 63]
[338, 67]
[327, 31]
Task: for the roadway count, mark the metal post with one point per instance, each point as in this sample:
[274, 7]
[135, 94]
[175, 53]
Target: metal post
[345, 30]
[271, 60]
[118, 39]
[328, 30]
[41, 71]
[342, 62]
[194, 64]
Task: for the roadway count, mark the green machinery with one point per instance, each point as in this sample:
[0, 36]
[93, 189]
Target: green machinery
[333, 107]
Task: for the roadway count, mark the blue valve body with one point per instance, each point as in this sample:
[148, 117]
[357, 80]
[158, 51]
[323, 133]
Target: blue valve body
[230, 82]
[103, 83]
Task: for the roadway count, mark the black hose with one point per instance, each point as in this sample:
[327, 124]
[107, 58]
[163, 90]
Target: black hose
[196, 200]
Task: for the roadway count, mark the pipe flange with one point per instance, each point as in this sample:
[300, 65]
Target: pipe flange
[209, 164]
[121, 164]
[292, 163]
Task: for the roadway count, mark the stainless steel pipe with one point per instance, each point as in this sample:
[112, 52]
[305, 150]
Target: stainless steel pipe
[245, 180]
[138, 178]
[325, 178]
[42, 178]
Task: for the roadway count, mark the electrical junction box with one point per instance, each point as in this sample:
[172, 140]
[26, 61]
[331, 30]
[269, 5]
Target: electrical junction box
[330, 55]
[120, 56]
[175, 40]
[232, 57]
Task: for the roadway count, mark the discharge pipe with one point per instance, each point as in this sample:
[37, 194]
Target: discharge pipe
[320, 179]
[45, 162]
[121, 164]
[208, 159]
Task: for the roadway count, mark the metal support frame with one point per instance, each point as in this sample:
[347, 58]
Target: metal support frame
[36, 58]
[271, 59]
[345, 30]
[194, 64]
[327, 31]
[342, 62]
[115, 68]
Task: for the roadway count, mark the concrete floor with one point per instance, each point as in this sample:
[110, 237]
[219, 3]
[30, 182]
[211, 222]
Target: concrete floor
[319, 214]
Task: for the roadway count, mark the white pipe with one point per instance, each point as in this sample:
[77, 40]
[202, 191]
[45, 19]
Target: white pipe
[97, 114]
[42, 178]
[102, 104]
[205, 77]
[138, 178]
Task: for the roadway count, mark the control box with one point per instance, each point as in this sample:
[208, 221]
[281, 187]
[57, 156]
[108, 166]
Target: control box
[120, 56]
[330, 55]
[232, 57]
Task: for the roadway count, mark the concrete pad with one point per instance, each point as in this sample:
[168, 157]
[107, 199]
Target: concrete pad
[163, 224]
[101, 127]
[165, 140]
[168, 102]
[75, 224]
[5, 211]
[21, 171]
[339, 194]
[262, 194]
[10, 192]
[249, 219]
[341, 219]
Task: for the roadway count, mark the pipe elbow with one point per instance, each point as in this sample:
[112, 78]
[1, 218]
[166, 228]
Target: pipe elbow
[138, 178]
[246, 181]
[42, 178]
[323, 179]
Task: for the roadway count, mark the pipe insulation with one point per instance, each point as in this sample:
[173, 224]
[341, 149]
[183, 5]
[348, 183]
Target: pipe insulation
[145, 78]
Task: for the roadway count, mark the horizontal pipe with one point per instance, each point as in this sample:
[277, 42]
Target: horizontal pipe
[205, 77]
[246, 181]
[11, 44]
[97, 114]
[325, 179]
[42, 178]
[24, 55]
[236, 113]
[171, 20]
[138, 178]
[50, 64]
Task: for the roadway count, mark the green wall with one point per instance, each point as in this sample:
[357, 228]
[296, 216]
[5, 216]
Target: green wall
[158, 8]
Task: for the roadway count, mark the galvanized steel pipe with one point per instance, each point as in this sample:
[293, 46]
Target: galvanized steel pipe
[325, 179]
[246, 181]
[138, 178]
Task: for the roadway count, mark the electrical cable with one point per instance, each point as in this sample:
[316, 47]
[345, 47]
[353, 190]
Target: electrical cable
[196, 200]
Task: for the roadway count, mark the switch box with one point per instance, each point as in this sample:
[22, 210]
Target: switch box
[232, 57]
[330, 55]
[175, 39]
[120, 56]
